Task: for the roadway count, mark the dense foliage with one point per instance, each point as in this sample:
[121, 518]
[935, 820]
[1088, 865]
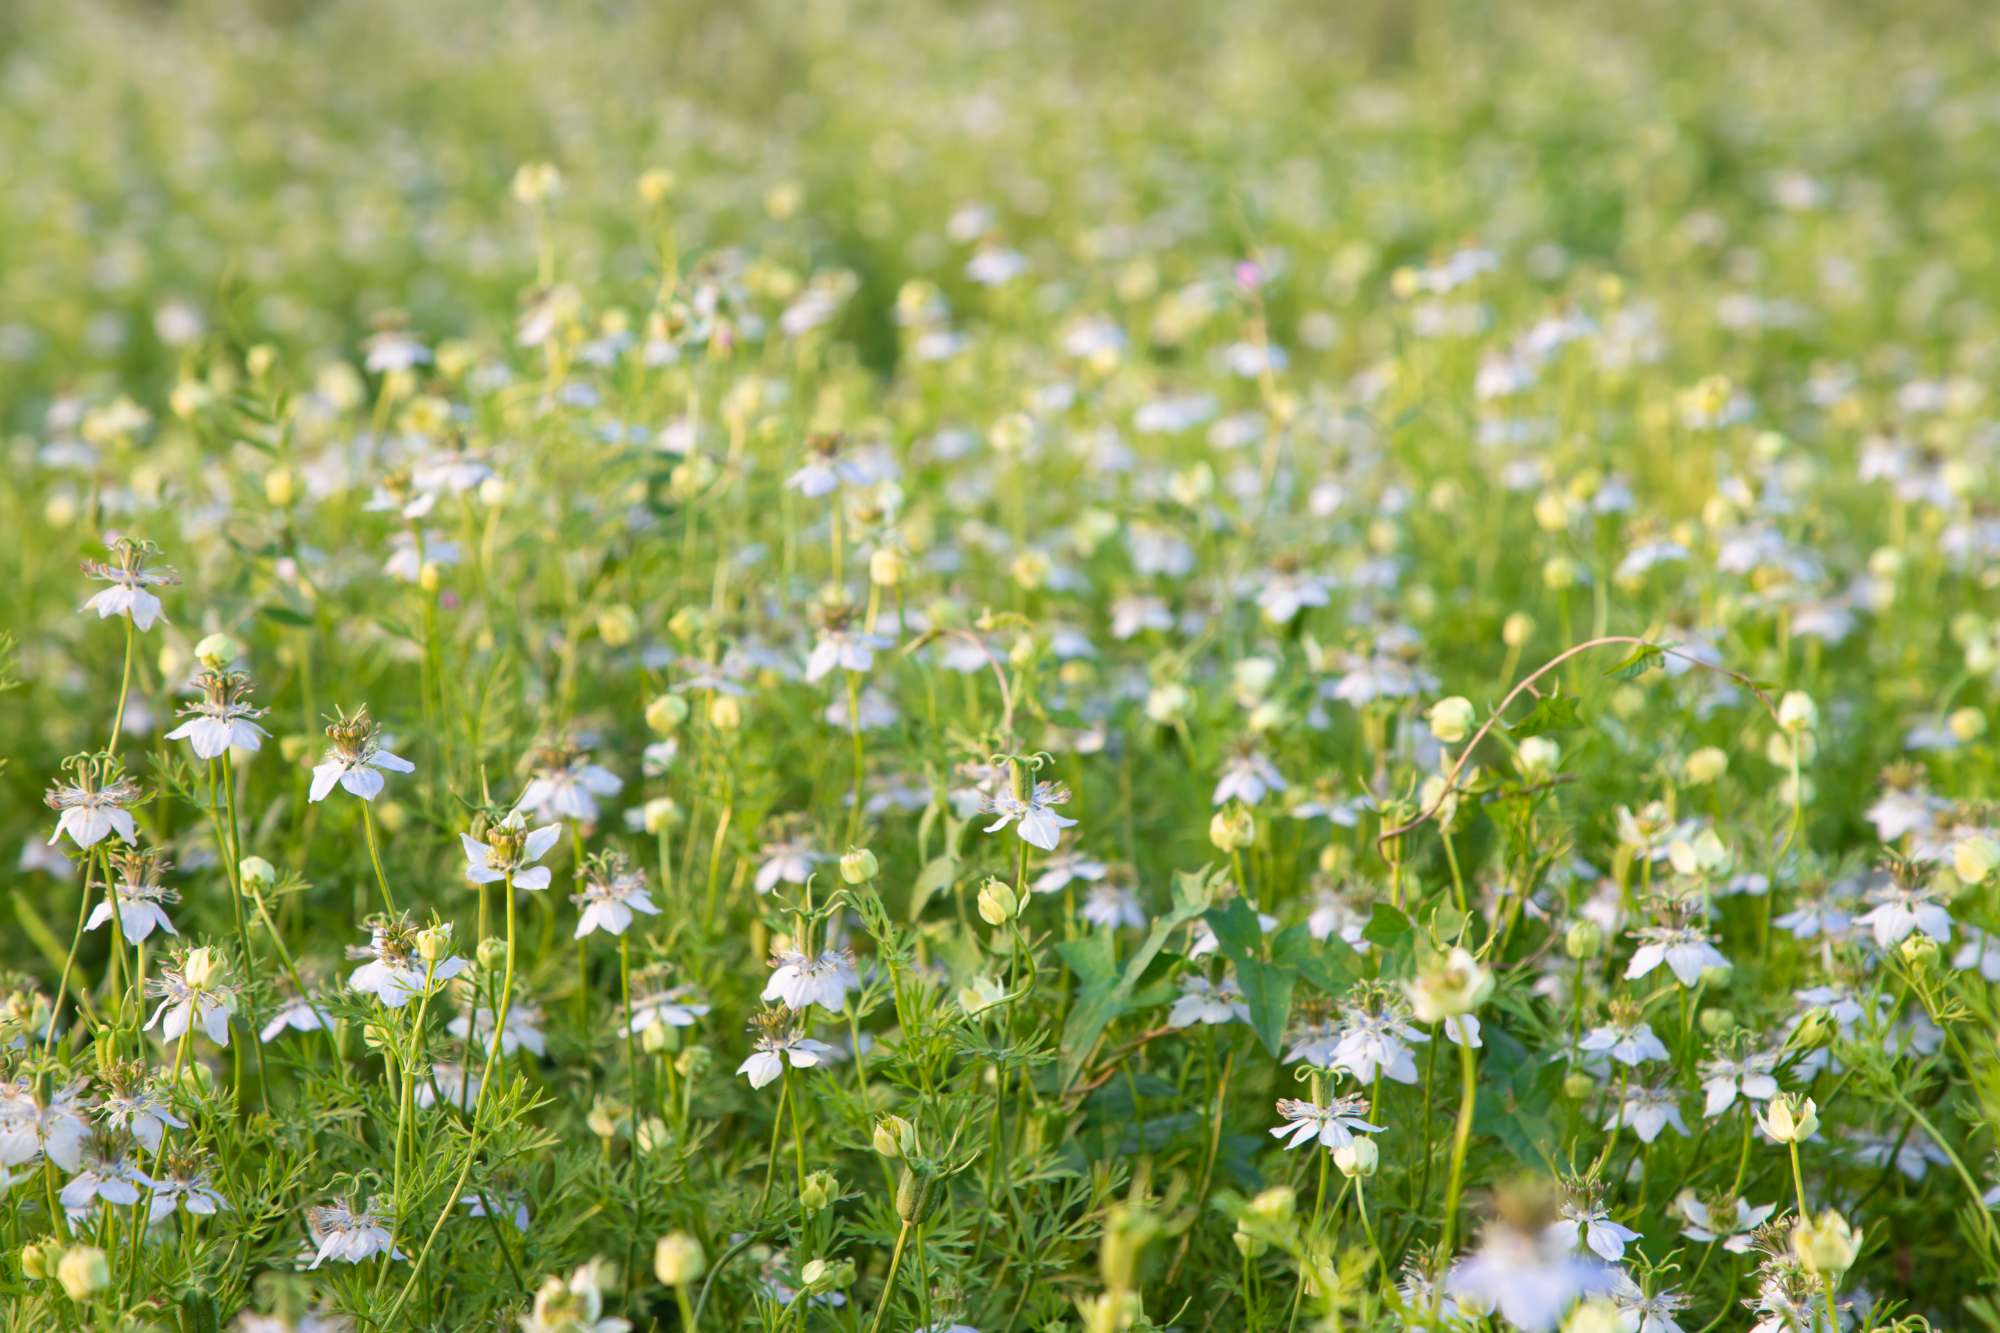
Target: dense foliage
[863, 666]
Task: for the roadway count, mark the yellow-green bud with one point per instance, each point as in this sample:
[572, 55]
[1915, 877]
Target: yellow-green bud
[1232, 828]
[893, 1136]
[1974, 858]
[997, 903]
[1451, 719]
[666, 713]
[678, 1259]
[1357, 1157]
[1583, 940]
[819, 1190]
[37, 1259]
[1797, 712]
[256, 870]
[216, 651]
[859, 866]
[83, 1272]
[1704, 766]
[1789, 1118]
[1826, 1245]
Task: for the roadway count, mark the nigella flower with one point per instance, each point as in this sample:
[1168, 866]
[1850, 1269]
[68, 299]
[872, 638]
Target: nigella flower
[522, 1033]
[1286, 592]
[566, 785]
[1111, 906]
[1531, 1279]
[1686, 950]
[396, 972]
[356, 755]
[1065, 868]
[185, 1186]
[1332, 1126]
[1640, 1313]
[675, 1006]
[576, 1306]
[789, 860]
[341, 1232]
[1247, 776]
[130, 580]
[841, 645]
[132, 1107]
[612, 891]
[54, 1129]
[1977, 950]
[1375, 1039]
[93, 803]
[1333, 915]
[1039, 824]
[408, 554]
[827, 467]
[1208, 1003]
[222, 720]
[192, 992]
[1903, 908]
[1647, 1111]
[1748, 1075]
[1732, 1221]
[800, 981]
[1627, 1038]
[511, 848]
[107, 1173]
[138, 895]
[298, 1014]
[1584, 1222]
[780, 1041]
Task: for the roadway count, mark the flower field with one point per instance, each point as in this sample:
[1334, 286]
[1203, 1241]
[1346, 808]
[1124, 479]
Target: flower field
[986, 668]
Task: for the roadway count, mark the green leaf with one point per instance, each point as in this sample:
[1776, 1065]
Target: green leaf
[1236, 929]
[1267, 989]
[1097, 1006]
[284, 615]
[1639, 661]
[1553, 712]
[1386, 926]
[935, 876]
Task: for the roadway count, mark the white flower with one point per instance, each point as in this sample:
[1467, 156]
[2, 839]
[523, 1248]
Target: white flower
[1640, 1313]
[789, 862]
[1647, 1111]
[612, 892]
[1246, 777]
[93, 806]
[1373, 1042]
[1209, 1003]
[1630, 1041]
[356, 756]
[676, 1007]
[522, 1033]
[138, 897]
[222, 720]
[1065, 868]
[1331, 1126]
[55, 1129]
[140, 1112]
[842, 648]
[510, 849]
[799, 981]
[191, 995]
[130, 581]
[1586, 1223]
[1750, 1076]
[351, 1237]
[566, 785]
[1114, 905]
[778, 1044]
[1705, 1225]
[1902, 910]
[106, 1174]
[394, 973]
[1686, 950]
[298, 1015]
[1039, 824]
[187, 1189]
[1531, 1280]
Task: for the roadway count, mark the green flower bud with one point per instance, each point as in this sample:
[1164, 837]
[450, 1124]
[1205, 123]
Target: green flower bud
[678, 1259]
